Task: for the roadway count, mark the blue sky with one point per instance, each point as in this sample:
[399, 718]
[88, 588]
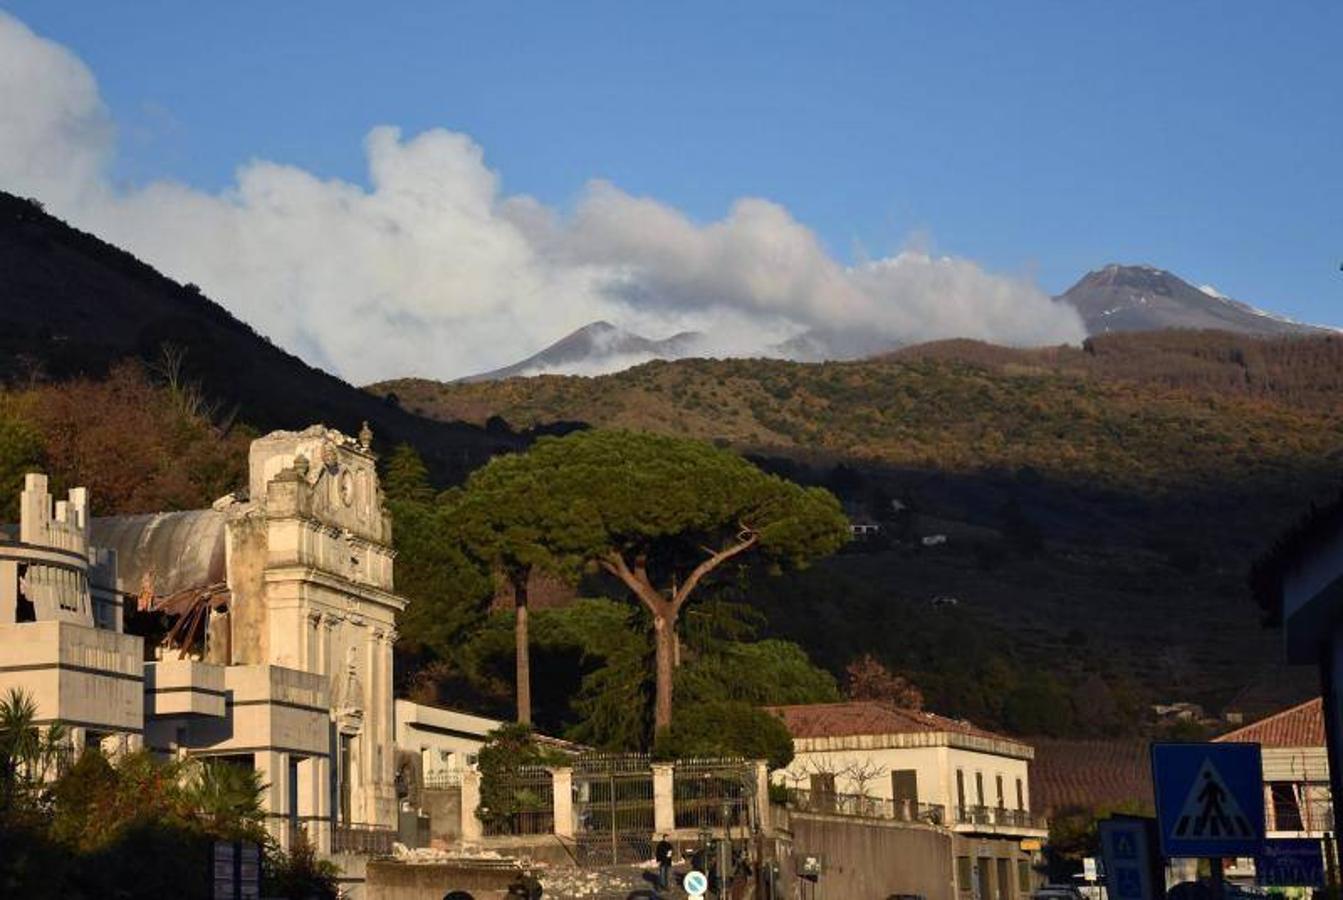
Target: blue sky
[1042, 139]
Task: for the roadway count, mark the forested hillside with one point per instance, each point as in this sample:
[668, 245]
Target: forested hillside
[1091, 511]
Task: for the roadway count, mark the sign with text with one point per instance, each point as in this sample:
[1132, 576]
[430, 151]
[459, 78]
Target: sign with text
[1290, 862]
[1209, 799]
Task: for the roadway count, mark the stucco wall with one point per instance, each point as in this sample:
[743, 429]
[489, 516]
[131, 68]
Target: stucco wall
[935, 766]
[873, 859]
[247, 551]
[79, 675]
[388, 880]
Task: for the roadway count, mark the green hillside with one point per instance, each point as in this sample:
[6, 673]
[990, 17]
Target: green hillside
[1100, 505]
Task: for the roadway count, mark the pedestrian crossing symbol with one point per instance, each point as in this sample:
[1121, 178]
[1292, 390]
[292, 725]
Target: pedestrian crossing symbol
[1210, 810]
[1210, 799]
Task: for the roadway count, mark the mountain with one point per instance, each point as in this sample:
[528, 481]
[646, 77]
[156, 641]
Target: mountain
[72, 305]
[1142, 298]
[1112, 299]
[596, 349]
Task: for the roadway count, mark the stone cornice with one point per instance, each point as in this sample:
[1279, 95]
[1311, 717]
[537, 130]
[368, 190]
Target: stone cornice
[376, 595]
[912, 740]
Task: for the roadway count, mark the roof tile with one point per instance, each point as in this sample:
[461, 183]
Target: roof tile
[1298, 726]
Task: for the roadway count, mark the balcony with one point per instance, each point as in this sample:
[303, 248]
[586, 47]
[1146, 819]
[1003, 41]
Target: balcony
[997, 819]
[365, 840]
[861, 807]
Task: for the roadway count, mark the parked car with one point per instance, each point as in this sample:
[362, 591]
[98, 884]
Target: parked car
[1057, 892]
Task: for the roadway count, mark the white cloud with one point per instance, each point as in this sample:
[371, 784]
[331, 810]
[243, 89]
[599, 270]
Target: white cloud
[431, 270]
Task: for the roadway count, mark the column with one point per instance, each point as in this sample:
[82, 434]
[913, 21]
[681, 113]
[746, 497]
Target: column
[471, 830]
[562, 786]
[315, 800]
[762, 808]
[664, 799]
[271, 766]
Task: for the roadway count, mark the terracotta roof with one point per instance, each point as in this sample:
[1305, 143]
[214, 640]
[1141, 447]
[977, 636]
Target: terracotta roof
[819, 720]
[1299, 726]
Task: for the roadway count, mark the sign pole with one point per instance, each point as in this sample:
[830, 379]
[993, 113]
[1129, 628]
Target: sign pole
[1218, 878]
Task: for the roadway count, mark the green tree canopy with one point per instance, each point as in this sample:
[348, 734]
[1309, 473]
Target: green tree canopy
[662, 514]
[726, 728]
[514, 524]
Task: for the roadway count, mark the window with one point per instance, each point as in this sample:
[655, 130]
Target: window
[1021, 795]
[979, 789]
[1001, 803]
[1003, 883]
[1023, 872]
[964, 876]
[905, 793]
[1286, 814]
[823, 791]
[905, 785]
[960, 791]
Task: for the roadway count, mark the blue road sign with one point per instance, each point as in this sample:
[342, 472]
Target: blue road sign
[1209, 799]
[1290, 862]
[1131, 870]
[695, 883]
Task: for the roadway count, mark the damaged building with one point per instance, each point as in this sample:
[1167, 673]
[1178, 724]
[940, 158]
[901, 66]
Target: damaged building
[270, 620]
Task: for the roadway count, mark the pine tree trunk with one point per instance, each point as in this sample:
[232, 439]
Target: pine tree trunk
[523, 650]
[664, 631]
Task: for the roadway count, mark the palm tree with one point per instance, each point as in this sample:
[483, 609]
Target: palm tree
[28, 753]
[226, 797]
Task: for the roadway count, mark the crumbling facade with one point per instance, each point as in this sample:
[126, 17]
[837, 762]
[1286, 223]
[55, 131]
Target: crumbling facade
[271, 620]
[60, 636]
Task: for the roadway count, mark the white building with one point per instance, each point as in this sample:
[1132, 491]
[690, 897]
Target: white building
[874, 760]
[1296, 770]
[60, 637]
[276, 614]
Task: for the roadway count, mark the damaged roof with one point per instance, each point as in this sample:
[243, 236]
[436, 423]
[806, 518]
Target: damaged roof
[165, 553]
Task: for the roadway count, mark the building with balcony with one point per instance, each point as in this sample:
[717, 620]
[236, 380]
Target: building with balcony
[872, 760]
[1296, 770]
[60, 633]
[279, 617]
[264, 632]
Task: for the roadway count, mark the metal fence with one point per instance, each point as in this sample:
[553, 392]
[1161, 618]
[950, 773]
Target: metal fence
[442, 779]
[613, 808]
[998, 816]
[712, 793]
[369, 840]
[523, 803]
[863, 807]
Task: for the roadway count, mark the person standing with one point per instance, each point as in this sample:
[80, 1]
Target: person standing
[663, 854]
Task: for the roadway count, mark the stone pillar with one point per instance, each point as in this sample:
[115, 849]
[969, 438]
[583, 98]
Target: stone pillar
[762, 808]
[562, 785]
[9, 592]
[314, 793]
[271, 766]
[664, 798]
[471, 827]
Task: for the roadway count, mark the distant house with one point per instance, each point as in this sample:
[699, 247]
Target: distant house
[873, 759]
[933, 540]
[1180, 711]
[1296, 769]
[862, 531]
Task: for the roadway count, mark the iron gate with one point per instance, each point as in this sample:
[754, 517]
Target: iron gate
[713, 793]
[613, 806]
